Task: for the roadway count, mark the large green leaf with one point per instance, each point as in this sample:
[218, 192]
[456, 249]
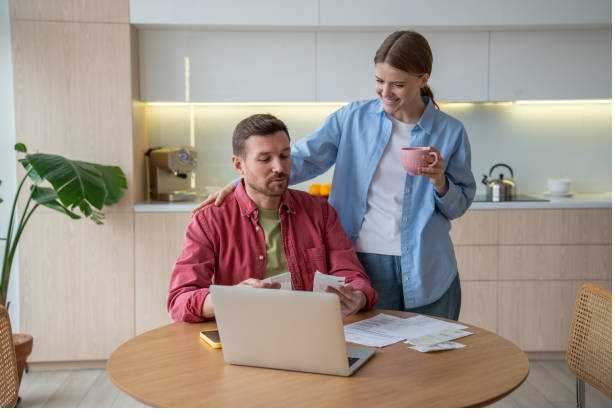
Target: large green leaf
[115, 182]
[76, 183]
[33, 175]
[47, 197]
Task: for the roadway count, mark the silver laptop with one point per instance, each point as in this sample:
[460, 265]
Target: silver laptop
[282, 329]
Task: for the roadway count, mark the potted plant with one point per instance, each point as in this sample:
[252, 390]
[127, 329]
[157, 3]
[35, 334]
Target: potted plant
[74, 188]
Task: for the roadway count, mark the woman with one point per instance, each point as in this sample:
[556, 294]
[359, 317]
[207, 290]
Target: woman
[399, 223]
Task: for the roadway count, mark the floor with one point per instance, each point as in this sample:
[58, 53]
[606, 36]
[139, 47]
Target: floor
[549, 384]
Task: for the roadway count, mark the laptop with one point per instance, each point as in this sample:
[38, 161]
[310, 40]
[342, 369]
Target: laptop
[284, 329]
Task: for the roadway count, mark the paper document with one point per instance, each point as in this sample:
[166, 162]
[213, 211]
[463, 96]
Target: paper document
[375, 331]
[421, 325]
[369, 339]
[321, 281]
[284, 280]
[441, 337]
[448, 345]
[396, 329]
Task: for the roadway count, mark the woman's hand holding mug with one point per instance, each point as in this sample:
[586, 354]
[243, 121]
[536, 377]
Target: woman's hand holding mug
[426, 161]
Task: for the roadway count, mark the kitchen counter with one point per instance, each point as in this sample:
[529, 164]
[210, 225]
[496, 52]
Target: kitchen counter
[580, 200]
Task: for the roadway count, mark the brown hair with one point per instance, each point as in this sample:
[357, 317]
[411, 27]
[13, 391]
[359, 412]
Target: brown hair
[408, 51]
[260, 124]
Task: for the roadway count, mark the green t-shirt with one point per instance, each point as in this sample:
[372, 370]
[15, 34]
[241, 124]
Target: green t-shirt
[269, 220]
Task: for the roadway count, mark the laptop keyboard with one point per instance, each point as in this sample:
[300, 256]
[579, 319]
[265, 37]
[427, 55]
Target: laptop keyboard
[352, 360]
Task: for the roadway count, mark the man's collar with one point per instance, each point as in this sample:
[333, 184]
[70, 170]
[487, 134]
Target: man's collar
[248, 206]
[427, 118]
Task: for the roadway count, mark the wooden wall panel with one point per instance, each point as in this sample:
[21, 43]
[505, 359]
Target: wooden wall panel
[111, 11]
[555, 226]
[477, 262]
[73, 92]
[475, 228]
[158, 241]
[77, 285]
[559, 262]
[479, 304]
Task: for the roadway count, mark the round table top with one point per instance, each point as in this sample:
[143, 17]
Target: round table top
[172, 367]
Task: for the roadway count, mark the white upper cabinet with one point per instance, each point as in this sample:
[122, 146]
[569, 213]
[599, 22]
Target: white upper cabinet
[161, 65]
[225, 13]
[447, 14]
[460, 65]
[345, 68]
[561, 64]
[212, 66]
[345, 65]
[252, 66]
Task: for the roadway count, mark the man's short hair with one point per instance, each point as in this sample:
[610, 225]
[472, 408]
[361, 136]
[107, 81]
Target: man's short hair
[260, 124]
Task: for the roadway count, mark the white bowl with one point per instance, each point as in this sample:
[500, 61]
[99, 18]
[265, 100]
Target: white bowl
[558, 186]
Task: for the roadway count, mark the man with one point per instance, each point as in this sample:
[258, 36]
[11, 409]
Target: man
[264, 229]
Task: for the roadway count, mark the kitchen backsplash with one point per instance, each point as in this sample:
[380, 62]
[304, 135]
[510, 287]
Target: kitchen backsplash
[539, 140]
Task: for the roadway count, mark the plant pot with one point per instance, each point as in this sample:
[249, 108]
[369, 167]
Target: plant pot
[23, 348]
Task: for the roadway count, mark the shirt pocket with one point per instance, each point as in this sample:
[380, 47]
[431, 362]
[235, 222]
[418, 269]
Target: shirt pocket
[316, 260]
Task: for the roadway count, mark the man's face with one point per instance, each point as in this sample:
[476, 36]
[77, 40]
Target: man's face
[265, 164]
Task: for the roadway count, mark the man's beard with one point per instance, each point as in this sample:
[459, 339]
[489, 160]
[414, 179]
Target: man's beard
[264, 190]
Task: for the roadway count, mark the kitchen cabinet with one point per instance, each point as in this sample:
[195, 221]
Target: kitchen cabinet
[337, 66]
[108, 11]
[520, 269]
[345, 65]
[229, 13]
[162, 70]
[536, 315]
[73, 96]
[252, 66]
[70, 79]
[212, 66]
[369, 14]
[559, 64]
[461, 13]
[158, 242]
[76, 286]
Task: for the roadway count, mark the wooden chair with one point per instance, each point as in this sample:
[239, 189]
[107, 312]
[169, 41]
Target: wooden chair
[589, 346]
[9, 380]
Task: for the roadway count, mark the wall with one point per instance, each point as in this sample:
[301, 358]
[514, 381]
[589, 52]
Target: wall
[7, 154]
[538, 141]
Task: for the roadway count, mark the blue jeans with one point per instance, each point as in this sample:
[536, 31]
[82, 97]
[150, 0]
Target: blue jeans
[385, 275]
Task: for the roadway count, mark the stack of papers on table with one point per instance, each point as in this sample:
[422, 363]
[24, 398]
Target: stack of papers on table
[321, 281]
[421, 332]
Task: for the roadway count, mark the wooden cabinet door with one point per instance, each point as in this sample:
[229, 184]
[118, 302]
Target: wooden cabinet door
[158, 243]
[76, 286]
[559, 64]
[585, 226]
[479, 304]
[536, 315]
[475, 227]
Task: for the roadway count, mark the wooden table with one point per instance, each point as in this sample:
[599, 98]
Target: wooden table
[171, 367]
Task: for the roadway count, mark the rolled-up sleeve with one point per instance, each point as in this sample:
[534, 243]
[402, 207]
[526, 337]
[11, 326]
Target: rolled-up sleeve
[342, 259]
[192, 274]
[461, 182]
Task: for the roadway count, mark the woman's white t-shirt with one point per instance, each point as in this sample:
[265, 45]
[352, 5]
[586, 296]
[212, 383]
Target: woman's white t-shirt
[380, 232]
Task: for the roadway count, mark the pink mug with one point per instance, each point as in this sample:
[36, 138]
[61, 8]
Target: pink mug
[416, 157]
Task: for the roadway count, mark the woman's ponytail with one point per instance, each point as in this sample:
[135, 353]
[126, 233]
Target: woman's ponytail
[426, 91]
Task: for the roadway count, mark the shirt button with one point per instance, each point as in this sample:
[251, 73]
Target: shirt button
[257, 228]
[260, 257]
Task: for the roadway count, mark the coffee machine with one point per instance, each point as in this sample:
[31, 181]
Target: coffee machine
[170, 173]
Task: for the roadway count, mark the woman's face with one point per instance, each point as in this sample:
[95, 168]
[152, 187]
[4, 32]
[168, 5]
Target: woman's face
[399, 91]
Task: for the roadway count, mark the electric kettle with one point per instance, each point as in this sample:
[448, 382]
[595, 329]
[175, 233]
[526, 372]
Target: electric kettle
[500, 189]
